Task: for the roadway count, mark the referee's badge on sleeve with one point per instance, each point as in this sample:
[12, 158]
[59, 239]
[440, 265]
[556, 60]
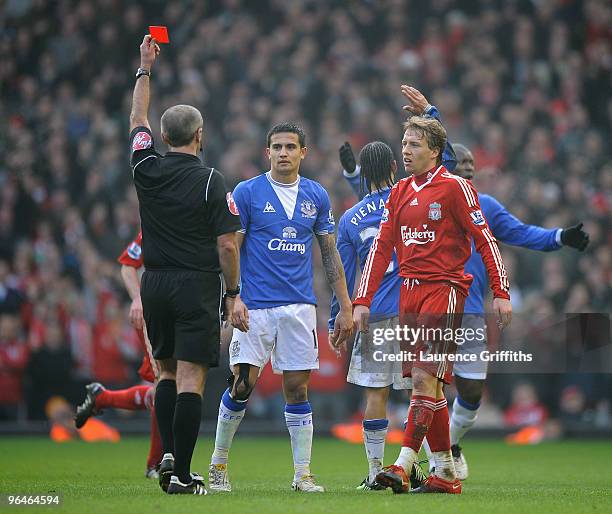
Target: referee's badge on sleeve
[233, 208]
[141, 141]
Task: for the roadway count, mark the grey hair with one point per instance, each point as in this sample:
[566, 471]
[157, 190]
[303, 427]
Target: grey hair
[179, 124]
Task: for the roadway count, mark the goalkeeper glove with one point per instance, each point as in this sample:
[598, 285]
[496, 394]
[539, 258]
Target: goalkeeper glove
[575, 237]
[347, 158]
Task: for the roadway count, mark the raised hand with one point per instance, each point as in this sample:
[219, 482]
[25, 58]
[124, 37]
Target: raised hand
[417, 103]
[149, 50]
[347, 157]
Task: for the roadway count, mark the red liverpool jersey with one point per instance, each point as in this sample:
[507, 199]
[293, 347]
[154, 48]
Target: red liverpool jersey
[430, 221]
[132, 255]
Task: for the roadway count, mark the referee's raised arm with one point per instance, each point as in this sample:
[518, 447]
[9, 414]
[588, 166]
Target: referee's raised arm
[149, 50]
[189, 224]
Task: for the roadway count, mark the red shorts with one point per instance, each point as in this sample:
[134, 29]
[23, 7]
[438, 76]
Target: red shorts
[436, 308]
[148, 367]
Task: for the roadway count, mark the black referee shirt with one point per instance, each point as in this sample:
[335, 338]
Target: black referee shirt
[184, 206]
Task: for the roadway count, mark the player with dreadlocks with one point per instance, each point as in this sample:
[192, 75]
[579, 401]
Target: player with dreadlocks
[356, 231]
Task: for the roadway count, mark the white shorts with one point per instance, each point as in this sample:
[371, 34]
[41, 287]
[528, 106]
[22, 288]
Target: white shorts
[476, 369]
[365, 372]
[288, 334]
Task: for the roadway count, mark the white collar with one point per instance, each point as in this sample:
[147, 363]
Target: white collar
[428, 181]
[281, 184]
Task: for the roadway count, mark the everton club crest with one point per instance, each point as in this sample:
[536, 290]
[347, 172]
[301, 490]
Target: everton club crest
[435, 211]
[308, 209]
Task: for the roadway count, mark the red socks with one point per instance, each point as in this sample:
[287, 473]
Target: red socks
[420, 417]
[130, 399]
[155, 447]
[439, 432]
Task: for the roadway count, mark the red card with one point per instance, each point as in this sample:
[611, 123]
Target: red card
[159, 33]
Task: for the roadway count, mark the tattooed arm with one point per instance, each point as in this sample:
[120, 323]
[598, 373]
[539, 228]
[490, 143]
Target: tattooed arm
[334, 272]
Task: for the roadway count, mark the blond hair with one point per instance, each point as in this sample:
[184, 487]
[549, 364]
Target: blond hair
[432, 130]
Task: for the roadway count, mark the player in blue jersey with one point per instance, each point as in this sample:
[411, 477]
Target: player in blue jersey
[470, 376]
[275, 316]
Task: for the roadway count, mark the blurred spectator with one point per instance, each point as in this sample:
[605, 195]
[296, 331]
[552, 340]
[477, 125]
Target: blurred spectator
[115, 344]
[572, 405]
[11, 298]
[525, 409]
[49, 371]
[13, 360]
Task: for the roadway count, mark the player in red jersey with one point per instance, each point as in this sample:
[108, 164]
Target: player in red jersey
[138, 397]
[429, 220]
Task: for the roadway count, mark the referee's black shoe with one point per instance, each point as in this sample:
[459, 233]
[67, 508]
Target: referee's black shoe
[88, 408]
[166, 468]
[196, 486]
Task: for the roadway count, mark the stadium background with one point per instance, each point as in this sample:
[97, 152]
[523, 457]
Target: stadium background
[525, 84]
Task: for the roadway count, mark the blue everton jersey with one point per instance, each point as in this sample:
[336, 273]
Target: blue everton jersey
[276, 254]
[510, 230]
[356, 231]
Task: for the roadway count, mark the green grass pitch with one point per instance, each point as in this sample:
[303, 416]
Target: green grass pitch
[572, 477]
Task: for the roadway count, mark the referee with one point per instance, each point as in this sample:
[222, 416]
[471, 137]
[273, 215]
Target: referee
[189, 223]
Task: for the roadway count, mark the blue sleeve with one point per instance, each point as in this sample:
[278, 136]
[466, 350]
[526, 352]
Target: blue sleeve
[354, 180]
[449, 159]
[241, 197]
[325, 223]
[510, 230]
[348, 255]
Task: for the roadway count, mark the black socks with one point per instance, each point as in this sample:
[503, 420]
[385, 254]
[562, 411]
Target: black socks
[187, 417]
[165, 403]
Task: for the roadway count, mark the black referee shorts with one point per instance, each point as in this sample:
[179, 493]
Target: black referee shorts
[182, 313]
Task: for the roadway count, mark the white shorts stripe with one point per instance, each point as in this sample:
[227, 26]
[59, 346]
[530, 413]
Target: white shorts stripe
[450, 310]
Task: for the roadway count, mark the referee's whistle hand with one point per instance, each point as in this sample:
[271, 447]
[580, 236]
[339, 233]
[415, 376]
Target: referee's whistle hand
[238, 313]
[136, 316]
[361, 318]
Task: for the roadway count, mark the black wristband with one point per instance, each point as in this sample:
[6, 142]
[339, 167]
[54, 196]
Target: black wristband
[232, 293]
[143, 71]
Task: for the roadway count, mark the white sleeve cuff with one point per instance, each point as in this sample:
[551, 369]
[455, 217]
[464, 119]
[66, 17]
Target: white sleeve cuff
[558, 237]
[354, 174]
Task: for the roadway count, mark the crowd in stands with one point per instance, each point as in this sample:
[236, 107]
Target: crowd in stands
[525, 84]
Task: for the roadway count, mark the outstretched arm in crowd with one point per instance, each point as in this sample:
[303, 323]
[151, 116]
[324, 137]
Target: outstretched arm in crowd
[140, 100]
